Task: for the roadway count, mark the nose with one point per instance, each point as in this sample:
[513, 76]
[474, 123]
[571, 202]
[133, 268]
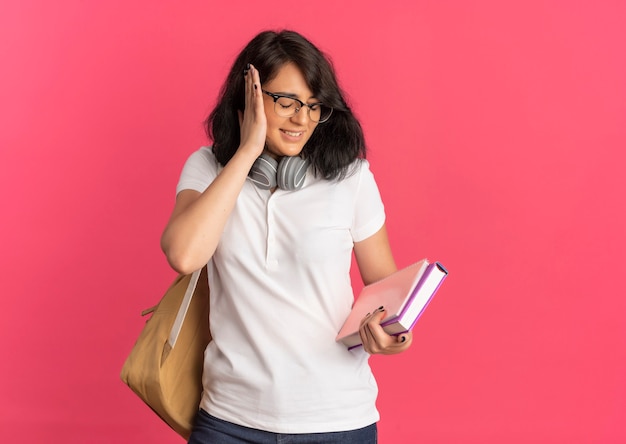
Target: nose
[301, 115]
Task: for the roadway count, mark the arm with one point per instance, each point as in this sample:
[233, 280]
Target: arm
[197, 221]
[375, 261]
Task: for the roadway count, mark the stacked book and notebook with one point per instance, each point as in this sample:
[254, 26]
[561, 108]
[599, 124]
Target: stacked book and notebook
[404, 295]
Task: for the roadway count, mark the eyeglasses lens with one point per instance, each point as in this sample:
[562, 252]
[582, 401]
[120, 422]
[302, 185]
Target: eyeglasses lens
[286, 107]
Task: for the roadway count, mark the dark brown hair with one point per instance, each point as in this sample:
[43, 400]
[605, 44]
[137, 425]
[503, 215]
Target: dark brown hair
[333, 146]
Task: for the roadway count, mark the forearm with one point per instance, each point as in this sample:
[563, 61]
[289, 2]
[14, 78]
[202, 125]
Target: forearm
[198, 220]
[193, 232]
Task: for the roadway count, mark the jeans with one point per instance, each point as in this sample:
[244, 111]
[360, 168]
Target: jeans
[211, 430]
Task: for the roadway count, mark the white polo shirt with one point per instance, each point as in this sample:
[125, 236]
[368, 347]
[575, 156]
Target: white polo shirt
[280, 292]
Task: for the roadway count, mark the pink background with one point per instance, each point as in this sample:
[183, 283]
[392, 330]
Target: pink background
[497, 135]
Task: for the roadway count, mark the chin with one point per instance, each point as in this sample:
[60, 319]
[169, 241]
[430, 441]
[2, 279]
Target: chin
[281, 151]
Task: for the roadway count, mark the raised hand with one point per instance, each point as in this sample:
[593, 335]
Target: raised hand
[252, 121]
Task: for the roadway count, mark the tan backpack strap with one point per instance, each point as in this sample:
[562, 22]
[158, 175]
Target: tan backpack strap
[184, 306]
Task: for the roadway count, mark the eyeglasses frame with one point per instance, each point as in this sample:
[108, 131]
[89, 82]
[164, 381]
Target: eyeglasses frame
[275, 97]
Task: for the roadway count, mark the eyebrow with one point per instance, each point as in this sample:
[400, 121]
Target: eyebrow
[292, 95]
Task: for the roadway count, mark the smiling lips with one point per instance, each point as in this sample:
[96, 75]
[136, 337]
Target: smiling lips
[293, 133]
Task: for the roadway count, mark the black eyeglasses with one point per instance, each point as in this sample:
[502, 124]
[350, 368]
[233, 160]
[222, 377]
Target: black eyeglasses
[287, 106]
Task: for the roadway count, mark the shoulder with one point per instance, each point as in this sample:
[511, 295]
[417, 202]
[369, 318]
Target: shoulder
[358, 186]
[199, 171]
[204, 159]
[203, 156]
[359, 172]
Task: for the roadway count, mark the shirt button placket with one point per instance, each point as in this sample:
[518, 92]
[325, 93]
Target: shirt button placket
[272, 262]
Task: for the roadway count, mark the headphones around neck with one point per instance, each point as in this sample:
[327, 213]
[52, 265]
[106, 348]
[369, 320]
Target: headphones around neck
[288, 174]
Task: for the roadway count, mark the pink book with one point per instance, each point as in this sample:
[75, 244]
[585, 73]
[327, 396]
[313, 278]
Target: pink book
[404, 294]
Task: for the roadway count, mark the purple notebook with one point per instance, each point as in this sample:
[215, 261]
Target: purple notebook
[404, 294]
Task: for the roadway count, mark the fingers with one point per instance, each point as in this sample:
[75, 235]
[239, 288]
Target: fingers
[252, 81]
[248, 82]
[377, 341]
[252, 122]
[253, 94]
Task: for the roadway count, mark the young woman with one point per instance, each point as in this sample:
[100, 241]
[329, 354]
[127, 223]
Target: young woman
[276, 207]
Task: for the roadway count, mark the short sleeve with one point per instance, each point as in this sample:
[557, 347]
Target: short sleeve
[369, 213]
[199, 171]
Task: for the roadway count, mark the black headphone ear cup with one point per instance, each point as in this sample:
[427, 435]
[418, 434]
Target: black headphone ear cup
[263, 172]
[291, 173]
